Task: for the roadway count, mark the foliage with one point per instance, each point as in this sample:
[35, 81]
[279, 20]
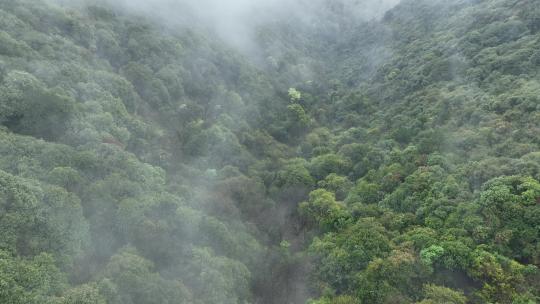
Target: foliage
[348, 161]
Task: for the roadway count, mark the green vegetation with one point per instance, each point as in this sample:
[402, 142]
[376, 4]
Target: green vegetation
[395, 162]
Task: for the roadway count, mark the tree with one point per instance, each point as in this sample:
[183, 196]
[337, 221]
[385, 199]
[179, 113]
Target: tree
[323, 165]
[294, 95]
[398, 276]
[28, 107]
[341, 256]
[365, 193]
[29, 281]
[439, 295]
[294, 174]
[297, 120]
[84, 294]
[135, 281]
[40, 219]
[339, 185]
[509, 206]
[324, 210]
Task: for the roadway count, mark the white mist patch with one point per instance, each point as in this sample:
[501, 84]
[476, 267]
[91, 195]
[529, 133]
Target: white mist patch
[236, 21]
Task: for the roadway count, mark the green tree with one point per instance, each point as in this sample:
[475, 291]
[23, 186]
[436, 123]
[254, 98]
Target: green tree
[324, 210]
[34, 280]
[439, 295]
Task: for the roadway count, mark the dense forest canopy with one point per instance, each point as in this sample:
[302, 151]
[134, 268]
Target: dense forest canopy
[226, 152]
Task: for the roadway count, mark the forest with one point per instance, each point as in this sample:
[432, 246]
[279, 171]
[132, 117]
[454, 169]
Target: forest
[335, 152]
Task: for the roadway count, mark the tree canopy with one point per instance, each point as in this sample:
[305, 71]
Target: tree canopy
[351, 160]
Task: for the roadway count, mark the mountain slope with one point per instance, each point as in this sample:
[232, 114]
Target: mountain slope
[350, 161]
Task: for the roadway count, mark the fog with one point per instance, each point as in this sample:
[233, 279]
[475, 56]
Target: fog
[267, 151]
[236, 21]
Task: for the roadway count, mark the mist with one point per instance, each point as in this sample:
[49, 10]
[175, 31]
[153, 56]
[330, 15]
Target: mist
[236, 21]
[269, 152]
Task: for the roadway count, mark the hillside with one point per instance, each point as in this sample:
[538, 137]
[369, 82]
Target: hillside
[340, 160]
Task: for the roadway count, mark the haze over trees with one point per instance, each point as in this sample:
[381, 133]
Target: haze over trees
[337, 152]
